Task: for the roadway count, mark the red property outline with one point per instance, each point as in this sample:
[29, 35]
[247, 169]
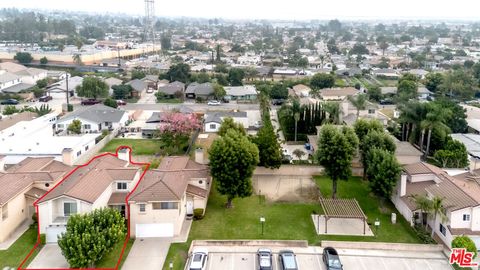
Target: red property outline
[35, 204]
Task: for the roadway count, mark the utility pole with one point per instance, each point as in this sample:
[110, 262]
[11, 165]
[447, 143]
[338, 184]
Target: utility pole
[68, 92]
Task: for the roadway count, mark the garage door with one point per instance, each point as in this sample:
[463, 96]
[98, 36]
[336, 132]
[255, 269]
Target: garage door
[154, 230]
[52, 233]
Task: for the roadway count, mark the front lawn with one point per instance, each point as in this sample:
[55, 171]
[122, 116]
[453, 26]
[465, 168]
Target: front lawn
[17, 252]
[111, 259]
[139, 146]
[355, 187]
[170, 101]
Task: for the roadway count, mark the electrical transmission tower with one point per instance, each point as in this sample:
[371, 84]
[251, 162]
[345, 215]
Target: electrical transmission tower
[149, 31]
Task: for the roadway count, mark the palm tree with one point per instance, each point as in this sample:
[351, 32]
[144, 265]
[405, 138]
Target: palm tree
[424, 205]
[333, 110]
[434, 119]
[359, 102]
[296, 116]
[437, 210]
[411, 115]
[77, 58]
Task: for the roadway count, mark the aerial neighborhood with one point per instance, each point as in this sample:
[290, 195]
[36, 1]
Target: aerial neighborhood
[145, 142]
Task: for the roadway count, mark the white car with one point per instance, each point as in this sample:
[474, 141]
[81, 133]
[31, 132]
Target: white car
[213, 103]
[199, 259]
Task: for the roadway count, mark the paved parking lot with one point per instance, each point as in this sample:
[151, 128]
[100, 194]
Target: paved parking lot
[243, 258]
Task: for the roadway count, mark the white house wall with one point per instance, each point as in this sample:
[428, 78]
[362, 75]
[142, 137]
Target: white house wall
[456, 218]
[475, 218]
[17, 213]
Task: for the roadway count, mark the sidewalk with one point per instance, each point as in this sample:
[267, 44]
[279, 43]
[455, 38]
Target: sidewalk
[14, 237]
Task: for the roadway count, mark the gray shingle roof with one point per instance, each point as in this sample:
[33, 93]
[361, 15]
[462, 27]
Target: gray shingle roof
[217, 116]
[98, 113]
[203, 89]
[138, 85]
[172, 88]
[17, 88]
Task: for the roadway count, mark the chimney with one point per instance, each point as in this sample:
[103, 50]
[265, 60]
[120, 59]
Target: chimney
[199, 156]
[403, 185]
[67, 156]
[124, 154]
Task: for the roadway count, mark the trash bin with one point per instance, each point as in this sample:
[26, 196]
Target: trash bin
[394, 218]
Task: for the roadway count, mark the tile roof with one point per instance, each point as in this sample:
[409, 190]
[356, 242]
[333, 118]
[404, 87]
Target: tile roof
[454, 197]
[422, 168]
[197, 191]
[413, 189]
[117, 198]
[14, 183]
[31, 164]
[35, 193]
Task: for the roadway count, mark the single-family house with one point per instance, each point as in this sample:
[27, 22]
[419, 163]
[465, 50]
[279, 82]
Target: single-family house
[32, 75]
[472, 143]
[139, 87]
[301, 90]
[172, 88]
[386, 73]
[21, 185]
[111, 82]
[213, 120]
[59, 89]
[197, 90]
[151, 81]
[166, 196]
[460, 196]
[94, 119]
[246, 92]
[8, 80]
[103, 182]
[338, 93]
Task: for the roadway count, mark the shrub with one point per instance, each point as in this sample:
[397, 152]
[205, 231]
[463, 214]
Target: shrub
[43, 239]
[465, 242]
[10, 109]
[198, 213]
[423, 235]
[200, 99]
[154, 163]
[70, 108]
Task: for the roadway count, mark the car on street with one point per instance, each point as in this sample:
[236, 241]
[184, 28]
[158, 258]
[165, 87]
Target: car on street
[264, 256]
[149, 90]
[213, 103]
[90, 101]
[198, 259]
[287, 260]
[9, 101]
[121, 102]
[45, 98]
[331, 259]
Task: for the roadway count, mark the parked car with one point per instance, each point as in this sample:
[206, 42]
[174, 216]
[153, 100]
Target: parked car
[199, 259]
[278, 102]
[213, 103]
[90, 101]
[149, 90]
[45, 98]
[287, 260]
[121, 102]
[386, 102]
[331, 259]
[225, 100]
[10, 101]
[264, 256]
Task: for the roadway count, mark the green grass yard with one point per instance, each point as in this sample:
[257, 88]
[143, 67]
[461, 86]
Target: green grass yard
[111, 259]
[287, 221]
[17, 252]
[139, 146]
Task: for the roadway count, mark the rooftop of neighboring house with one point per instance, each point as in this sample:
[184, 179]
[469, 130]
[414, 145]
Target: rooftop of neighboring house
[8, 77]
[12, 67]
[88, 182]
[240, 90]
[113, 81]
[31, 170]
[339, 91]
[31, 72]
[172, 88]
[199, 89]
[138, 85]
[218, 116]
[170, 181]
[10, 120]
[405, 149]
[97, 113]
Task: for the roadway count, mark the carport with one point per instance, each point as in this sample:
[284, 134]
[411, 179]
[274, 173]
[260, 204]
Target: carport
[341, 208]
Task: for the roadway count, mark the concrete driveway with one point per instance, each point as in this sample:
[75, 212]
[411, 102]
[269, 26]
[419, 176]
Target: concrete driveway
[149, 253]
[48, 258]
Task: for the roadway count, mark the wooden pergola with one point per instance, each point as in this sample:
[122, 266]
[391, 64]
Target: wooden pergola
[341, 208]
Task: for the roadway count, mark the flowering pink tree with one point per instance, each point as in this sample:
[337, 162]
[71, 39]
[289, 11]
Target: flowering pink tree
[175, 130]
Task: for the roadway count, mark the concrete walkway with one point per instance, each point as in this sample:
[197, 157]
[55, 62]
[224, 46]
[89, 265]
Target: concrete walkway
[341, 226]
[15, 235]
[49, 257]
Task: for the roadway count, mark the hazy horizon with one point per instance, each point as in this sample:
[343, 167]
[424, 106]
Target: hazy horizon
[250, 9]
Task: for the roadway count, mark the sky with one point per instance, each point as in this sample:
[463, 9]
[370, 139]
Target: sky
[271, 9]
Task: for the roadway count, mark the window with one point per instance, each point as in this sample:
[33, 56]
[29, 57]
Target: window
[443, 230]
[79, 153]
[121, 186]
[142, 208]
[213, 126]
[86, 148]
[87, 126]
[5, 211]
[466, 217]
[59, 125]
[69, 208]
[156, 206]
[371, 111]
[169, 205]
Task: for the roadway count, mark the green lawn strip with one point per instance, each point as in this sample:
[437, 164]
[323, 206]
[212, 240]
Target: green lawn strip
[177, 254]
[139, 146]
[111, 259]
[401, 232]
[170, 101]
[17, 252]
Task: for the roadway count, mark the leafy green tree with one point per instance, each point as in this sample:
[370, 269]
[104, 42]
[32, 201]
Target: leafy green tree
[166, 42]
[359, 102]
[465, 242]
[384, 171]
[321, 80]
[218, 91]
[77, 58]
[221, 68]
[374, 93]
[123, 91]
[227, 124]
[221, 79]
[233, 159]
[43, 60]
[458, 83]
[179, 72]
[138, 74]
[89, 237]
[92, 87]
[407, 89]
[37, 92]
[363, 126]
[279, 91]
[433, 81]
[437, 210]
[372, 140]
[235, 76]
[10, 109]
[336, 149]
[75, 127]
[435, 119]
[424, 204]
[23, 57]
[110, 102]
[359, 48]
[454, 155]
[43, 110]
[42, 83]
[268, 146]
